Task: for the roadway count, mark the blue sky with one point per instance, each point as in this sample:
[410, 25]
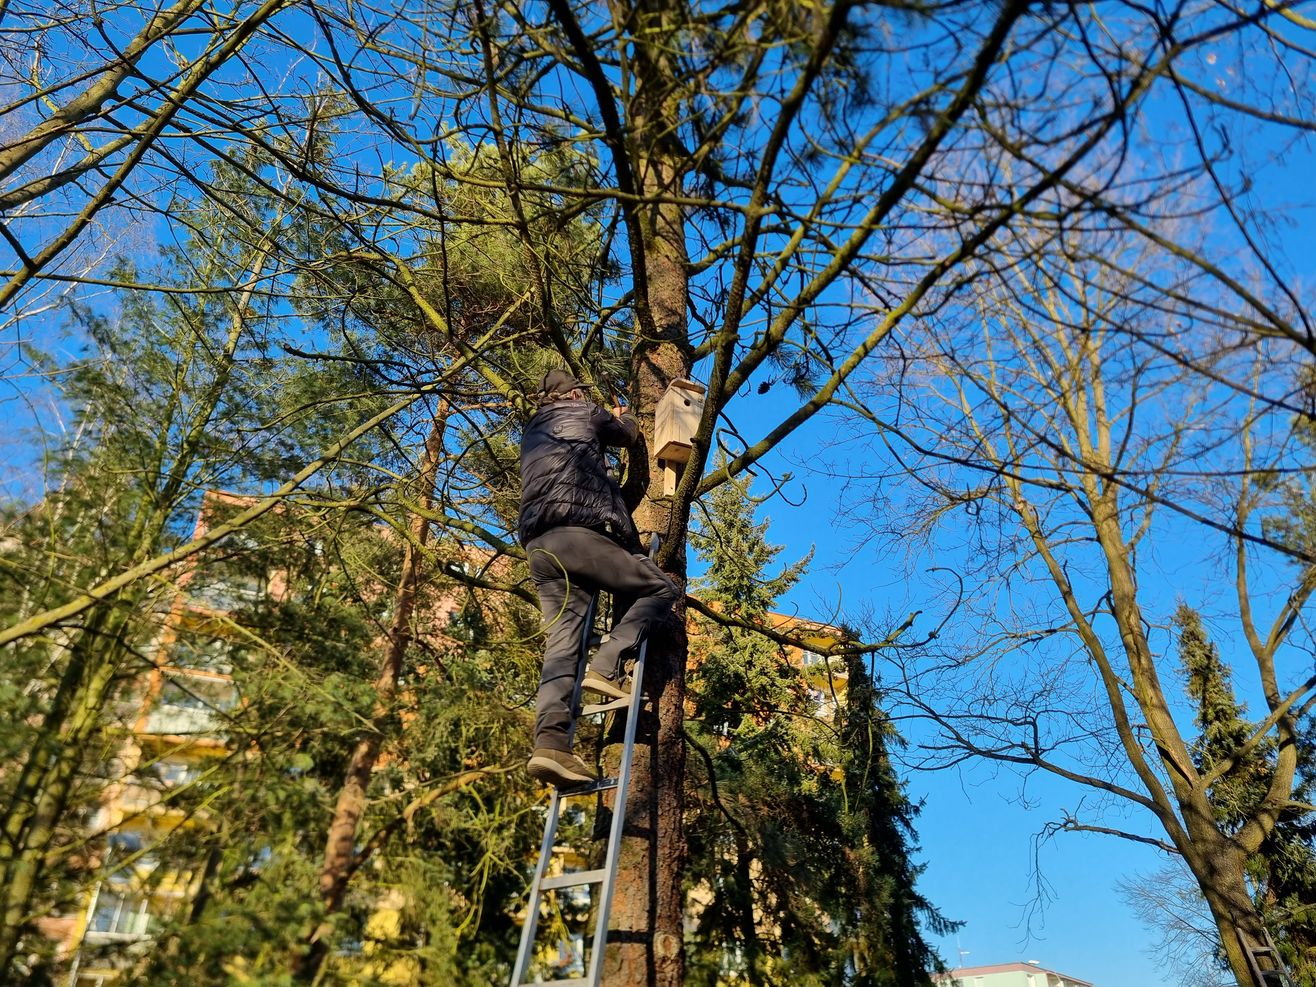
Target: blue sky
[984, 867]
[980, 824]
[977, 835]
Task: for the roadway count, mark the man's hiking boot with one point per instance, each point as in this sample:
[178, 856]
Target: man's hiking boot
[559, 768]
[594, 682]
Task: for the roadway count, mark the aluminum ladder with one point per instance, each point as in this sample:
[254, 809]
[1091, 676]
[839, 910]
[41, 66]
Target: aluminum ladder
[604, 877]
[1265, 953]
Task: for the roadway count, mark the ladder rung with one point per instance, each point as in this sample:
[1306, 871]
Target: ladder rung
[573, 982]
[607, 707]
[574, 879]
[589, 788]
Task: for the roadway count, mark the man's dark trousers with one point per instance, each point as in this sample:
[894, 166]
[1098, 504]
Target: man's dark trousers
[567, 565]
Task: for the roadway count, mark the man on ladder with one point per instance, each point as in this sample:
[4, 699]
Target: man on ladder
[579, 538]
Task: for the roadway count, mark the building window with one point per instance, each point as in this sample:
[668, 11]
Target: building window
[189, 705]
[125, 845]
[201, 655]
[174, 772]
[119, 913]
[202, 694]
[224, 593]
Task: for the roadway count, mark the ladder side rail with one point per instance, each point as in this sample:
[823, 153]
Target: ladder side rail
[1279, 976]
[599, 948]
[582, 661]
[618, 825]
[1284, 979]
[1253, 967]
[526, 948]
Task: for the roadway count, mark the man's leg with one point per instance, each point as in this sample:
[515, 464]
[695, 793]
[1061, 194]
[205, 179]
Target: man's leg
[597, 561]
[654, 594]
[564, 601]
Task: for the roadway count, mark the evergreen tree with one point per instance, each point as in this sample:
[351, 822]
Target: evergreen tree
[163, 400]
[476, 282]
[1282, 872]
[438, 867]
[878, 830]
[800, 834]
[190, 391]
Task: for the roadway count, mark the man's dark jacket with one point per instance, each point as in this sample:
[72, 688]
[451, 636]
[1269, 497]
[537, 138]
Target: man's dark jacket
[564, 476]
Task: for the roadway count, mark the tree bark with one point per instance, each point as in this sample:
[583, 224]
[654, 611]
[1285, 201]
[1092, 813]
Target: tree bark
[645, 946]
[749, 932]
[34, 814]
[1219, 866]
[1216, 858]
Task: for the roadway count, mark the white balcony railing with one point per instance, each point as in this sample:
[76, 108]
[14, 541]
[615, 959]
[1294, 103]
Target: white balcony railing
[175, 720]
[226, 593]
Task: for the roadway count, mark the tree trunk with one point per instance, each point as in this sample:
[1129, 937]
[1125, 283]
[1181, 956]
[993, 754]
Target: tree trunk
[645, 948]
[749, 933]
[33, 818]
[1217, 860]
[1219, 868]
[340, 846]
[49, 743]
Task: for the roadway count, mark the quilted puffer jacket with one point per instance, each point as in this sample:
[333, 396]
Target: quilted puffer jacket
[564, 476]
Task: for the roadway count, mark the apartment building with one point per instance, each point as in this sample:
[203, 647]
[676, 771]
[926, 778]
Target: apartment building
[1018, 974]
[174, 718]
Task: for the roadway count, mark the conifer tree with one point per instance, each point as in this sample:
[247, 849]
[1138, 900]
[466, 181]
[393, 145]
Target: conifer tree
[165, 397]
[1282, 872]
[438, 865]
[878, 826]
[800, 833]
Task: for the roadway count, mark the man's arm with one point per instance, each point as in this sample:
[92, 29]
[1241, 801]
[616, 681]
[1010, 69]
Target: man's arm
[615, 430]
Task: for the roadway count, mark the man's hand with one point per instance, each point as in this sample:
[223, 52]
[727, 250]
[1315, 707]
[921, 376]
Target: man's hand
[618, 407]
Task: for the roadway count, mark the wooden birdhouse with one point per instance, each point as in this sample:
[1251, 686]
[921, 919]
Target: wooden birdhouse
[677, 420]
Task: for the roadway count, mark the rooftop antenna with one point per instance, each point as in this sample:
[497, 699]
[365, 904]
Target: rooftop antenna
[960, 949]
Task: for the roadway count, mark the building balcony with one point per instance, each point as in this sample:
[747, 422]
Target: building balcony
[176, 721]
[190, 705]
[226, 593]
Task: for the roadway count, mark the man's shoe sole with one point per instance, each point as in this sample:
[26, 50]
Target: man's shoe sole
[551, 773]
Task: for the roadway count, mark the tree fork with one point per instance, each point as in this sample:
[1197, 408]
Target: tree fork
[1217, 860]
[1220, 867]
